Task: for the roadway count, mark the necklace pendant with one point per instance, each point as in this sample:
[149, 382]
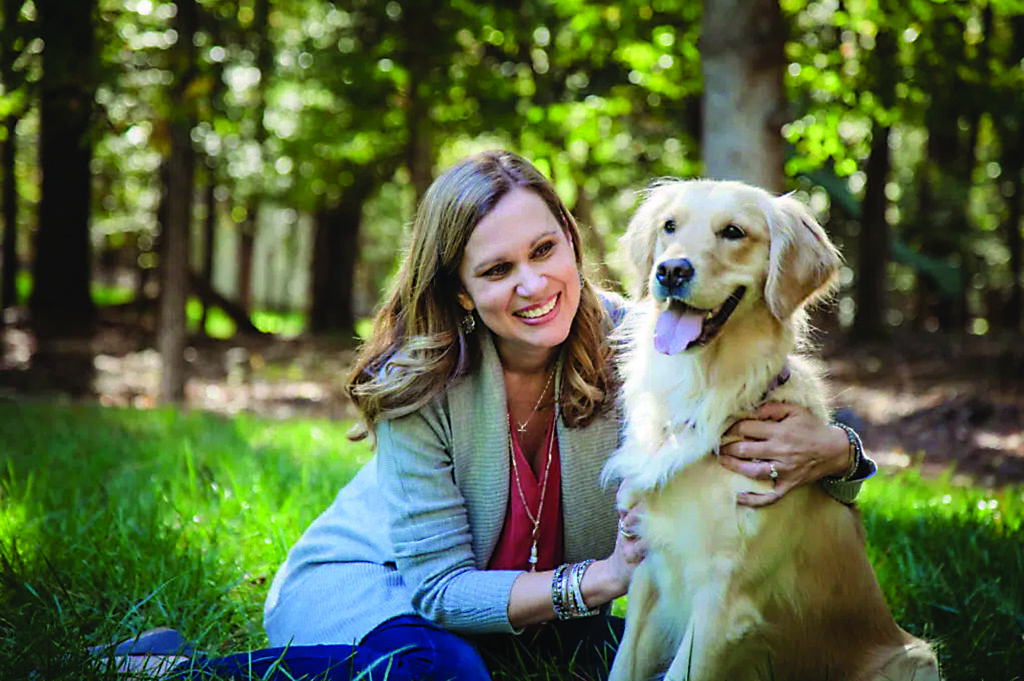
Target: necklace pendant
[521, 428]
[533, 557]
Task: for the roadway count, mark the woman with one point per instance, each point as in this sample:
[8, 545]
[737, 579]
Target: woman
[489, 387]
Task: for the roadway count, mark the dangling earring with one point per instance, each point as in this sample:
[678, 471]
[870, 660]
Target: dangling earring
[468, 323]
[582, 281]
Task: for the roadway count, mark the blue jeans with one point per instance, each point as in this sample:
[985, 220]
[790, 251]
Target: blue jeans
[409, 648]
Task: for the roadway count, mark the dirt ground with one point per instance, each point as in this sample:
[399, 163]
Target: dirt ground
[940, 401]
[931, 400]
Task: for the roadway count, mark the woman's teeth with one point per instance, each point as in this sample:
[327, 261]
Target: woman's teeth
[535, 312]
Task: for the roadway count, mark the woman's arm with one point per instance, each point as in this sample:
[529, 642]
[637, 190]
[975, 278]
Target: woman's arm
[431, 535]
[605, 580]
[799, 447]
[430, 530]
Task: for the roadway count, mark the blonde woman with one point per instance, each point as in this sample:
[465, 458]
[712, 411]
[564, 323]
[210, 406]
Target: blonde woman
[480, 522]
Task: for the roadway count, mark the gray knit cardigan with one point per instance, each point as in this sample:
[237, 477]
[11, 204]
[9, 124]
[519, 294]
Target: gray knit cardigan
[415, 528]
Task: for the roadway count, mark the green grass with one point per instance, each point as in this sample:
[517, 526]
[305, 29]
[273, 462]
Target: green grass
[112, 521]
[951, 562]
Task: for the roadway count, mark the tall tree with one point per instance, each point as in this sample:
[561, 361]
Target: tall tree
[11, 42]
[743, 62]
[1010, 124]
[174, 271]
[952, 117]
[872, 293]
[335, 247]
[262, 46]
[61, 303]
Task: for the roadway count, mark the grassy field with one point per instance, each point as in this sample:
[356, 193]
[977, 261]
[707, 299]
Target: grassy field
[112, 521]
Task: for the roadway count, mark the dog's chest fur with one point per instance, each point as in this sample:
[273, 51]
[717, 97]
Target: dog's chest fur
[681, 405]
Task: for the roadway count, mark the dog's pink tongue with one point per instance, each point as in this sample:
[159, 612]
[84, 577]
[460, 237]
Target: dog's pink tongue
[675, 330]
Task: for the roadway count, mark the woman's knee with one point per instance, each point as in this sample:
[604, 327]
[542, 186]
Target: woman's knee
[412, 648]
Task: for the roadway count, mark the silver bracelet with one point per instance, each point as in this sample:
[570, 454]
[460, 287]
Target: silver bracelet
[558, 592]
[577, 589]
[856, 451]
[566, 591]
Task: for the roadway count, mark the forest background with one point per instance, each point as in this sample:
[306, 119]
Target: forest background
[201, 201]
[176, 173]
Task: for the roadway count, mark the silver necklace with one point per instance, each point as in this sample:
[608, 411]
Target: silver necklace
[534, 520]
[521, 427]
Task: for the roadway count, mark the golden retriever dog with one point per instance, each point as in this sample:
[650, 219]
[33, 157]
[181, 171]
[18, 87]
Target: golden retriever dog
[726, 592]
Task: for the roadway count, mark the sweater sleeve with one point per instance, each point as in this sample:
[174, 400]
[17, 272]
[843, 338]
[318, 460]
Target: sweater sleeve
[847, 491]
[430, 529]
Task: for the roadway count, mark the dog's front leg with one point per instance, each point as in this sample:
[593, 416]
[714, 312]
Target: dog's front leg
[639, 656]
[694, 656]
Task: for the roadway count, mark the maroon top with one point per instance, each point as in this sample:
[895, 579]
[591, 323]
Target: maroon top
[512, 552]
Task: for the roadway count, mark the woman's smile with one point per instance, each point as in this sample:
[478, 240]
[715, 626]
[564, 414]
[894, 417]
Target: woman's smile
[534, 313]
[519, 275]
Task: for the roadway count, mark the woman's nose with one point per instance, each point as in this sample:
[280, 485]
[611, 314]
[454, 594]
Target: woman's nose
[531, 282]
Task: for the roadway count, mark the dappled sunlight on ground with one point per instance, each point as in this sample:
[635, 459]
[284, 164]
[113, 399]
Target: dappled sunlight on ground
[939, 401]
[936, 402]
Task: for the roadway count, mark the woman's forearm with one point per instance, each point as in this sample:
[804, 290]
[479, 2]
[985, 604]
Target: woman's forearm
[531, 599]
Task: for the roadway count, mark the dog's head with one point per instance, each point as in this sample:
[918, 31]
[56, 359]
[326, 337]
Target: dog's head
[702, 248]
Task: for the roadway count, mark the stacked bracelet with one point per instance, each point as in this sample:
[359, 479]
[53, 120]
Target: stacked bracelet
[566, 592]
[856, 451]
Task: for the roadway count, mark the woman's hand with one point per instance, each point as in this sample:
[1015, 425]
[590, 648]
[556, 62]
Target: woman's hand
[789, 440]
[615, 572]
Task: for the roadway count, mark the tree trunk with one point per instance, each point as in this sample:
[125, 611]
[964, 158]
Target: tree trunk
[247, 238]
[9, 194]
[1014, 315]
[61, 303]
[209, 242]
[335, 246]
[420, 153]
[9, 190]
[1012, 137]
[872, 292]
[742, 60]
[593, 241]
[246, 248]
[415, 55]
[174, 255]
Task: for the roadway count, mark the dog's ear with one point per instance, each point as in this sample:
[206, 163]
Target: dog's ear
[803, 262]
[640, 237]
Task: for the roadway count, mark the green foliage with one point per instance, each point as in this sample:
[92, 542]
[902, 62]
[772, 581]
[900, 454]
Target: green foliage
[334, 102]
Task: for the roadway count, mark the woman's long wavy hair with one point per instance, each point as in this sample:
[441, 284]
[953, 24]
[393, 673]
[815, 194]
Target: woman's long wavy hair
[419, 348]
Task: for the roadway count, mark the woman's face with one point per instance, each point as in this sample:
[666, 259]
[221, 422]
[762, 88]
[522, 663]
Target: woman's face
[519, 273]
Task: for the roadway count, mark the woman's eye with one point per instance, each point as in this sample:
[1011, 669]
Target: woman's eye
[733, 233]
[497, 271]
[669, 226]
[544, 249]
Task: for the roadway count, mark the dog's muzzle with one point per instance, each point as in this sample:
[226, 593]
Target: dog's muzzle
[673, 275]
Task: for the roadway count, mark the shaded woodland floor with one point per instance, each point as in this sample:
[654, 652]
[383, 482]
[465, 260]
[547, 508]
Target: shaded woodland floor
[932, 400]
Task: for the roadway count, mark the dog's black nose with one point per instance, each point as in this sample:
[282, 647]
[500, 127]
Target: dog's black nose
[674, 273]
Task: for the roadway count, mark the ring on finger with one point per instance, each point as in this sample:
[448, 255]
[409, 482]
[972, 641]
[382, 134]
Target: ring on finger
[772, 473]
[626, 532]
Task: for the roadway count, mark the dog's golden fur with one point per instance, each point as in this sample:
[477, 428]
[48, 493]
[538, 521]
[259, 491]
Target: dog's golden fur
[728, 593]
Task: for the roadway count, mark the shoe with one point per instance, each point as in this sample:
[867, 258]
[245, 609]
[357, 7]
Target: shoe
[159, 641]
[151, 654]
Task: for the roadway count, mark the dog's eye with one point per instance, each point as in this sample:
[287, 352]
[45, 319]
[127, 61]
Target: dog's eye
[669, 226]
[733, 233]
